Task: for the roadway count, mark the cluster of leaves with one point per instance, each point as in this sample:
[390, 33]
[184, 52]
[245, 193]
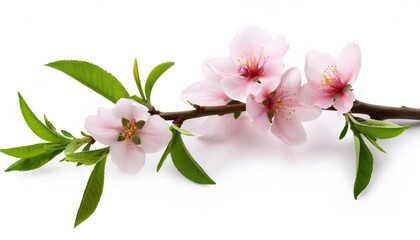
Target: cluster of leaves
[36, 155]
[372, 130]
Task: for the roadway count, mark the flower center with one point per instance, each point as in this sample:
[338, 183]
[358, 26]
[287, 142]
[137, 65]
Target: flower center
[130, 130]
[329, 76]
[279, 104]
[331, 81]
[252, 66]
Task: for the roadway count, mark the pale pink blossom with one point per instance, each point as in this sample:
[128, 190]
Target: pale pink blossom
[130, 132]
[278, 107]
[329, 79]
[255, 57]
[209, 92]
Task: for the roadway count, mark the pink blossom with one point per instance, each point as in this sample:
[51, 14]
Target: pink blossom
[278, 108]
[255, 57]
[130, 132]
[209, 92]
[329, 79]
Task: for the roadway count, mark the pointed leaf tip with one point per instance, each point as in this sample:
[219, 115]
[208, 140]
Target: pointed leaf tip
[154, 75]
[37, 127]
[92, 193]
[186, 164]
[364, 165]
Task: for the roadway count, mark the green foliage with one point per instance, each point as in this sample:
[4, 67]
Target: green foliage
[73, 146]
[371, 130]
[377, 129]
[364, 165]
[154, 76]
[88, 157]
[185, 163]
[93, 77]
[137, 79]
[345, 129]
[167, 151]
[92, 193]
[182, 131]
[37, 127]
[67, 134]
[30, 150]
[34, 162]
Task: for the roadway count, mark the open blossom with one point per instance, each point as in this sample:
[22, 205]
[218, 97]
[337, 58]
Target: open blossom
[278, 107]
[209, 92]
[130, 132]
[329, 79]
[255, 57]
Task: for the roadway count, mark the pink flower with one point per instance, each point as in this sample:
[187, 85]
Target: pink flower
[130, 132]
[209, 92]
[278, 107]
[329, 80]
[255, 57]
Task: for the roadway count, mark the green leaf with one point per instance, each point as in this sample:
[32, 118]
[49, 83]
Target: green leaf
[84, 134]
[185, 163]
[88, 157]
[345, 129]
[49, 124]
[73, 146]
[374, 143]
[166, 152]
[364, 165]
[87, 147]
[34, 162]
[37, 127]
[92, 77]
[28, 151]
[137, 79]
[92, 193]
[377, 129]
[67, 134]
[141, 101]
[180, 130]
[154, 76]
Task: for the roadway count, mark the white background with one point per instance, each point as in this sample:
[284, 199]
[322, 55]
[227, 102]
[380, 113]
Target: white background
[265, 190]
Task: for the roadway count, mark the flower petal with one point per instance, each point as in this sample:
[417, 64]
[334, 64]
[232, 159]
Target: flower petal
[222, 67]
[249, 41]
[291, 82]
[129, 109]
[205, 93]
[349, 62]
[305, 113]
[276, 48]
[238, 87]
[128, 156]
[344, 102]
[155, 134]
[315, 64]
[103, 127]
[291, 132]
[212, 127]
[273, 69]
[258, 113]
[311, 95]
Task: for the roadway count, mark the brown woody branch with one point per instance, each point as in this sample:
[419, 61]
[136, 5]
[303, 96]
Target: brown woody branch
[374, 111]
